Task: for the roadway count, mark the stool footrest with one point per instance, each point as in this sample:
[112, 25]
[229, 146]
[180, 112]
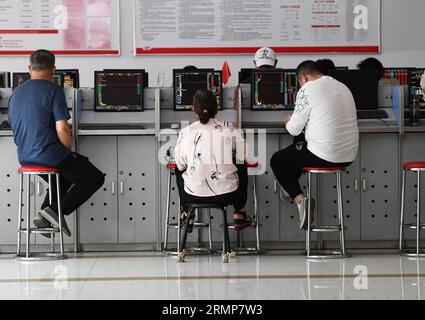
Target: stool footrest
[412, 253]
[327, 254]
[326, 229]
[232, 226]
[247, 250]
[39, 230]
[196, 225]
[414, 226]
[41, 257]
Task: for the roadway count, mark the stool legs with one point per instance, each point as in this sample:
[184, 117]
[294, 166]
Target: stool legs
[418, 215]
[340, 228]
[403, 195]
[60, 213]
[167, 212]
[21, 186]
[178, 225]
[28, 218]
[28, 256]
[341, 212]
[50, 203]
[309, 212]
[210, 230]
[417, 251]
[256, 213]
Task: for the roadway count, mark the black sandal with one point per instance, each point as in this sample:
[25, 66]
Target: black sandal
[241, 224]
[183, 217]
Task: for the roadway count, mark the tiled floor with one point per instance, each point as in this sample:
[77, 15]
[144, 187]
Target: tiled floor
[155, 276]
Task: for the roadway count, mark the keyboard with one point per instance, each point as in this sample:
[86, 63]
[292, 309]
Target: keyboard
[111, 126]
[372, 114]
[263, 125]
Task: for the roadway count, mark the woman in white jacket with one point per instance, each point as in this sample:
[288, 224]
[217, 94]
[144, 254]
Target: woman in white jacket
[206, 153]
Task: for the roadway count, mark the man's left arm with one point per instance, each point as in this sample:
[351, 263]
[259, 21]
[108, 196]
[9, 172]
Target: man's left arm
[64, 133]
[61, 116]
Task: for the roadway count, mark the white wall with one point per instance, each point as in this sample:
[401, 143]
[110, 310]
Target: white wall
[403, 44]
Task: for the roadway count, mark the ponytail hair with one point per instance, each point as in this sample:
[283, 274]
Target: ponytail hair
[205, 105]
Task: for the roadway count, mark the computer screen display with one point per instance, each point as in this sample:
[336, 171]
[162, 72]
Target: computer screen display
[58, 79]
[142, 71]
[5, 79]
[186, 83]
[19, 78]
[245, 75]
[274, 89]
[363, 84]
[71, 78]
[415, 83]
[118, 91]
[401, 74]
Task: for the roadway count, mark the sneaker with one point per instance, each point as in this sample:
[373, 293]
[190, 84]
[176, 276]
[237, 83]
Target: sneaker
[303, 211]
[42, 223]
[53, 218]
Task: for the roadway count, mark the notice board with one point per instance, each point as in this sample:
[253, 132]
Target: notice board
[241, 27]
[68, 27]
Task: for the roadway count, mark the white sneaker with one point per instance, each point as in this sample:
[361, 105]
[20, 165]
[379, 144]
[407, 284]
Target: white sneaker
[53, 218]
[303, 211]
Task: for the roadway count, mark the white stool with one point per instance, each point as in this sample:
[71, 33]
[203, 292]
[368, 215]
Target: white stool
[28, 256]
[417, 167]
[322, 229]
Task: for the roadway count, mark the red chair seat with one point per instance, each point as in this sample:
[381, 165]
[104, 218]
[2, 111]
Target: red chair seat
[414, 165]
[29, 169]
[171, 166]
[252, 165]
[324, 169]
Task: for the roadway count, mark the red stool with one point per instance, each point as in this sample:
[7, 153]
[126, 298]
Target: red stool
[417, 167]
[28, 256]
[322, 229]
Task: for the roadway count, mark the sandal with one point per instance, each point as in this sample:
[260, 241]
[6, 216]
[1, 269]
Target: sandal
[243, 223]
[183, 217]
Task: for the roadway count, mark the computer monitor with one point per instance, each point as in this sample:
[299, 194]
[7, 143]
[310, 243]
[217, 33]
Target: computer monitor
[117, 91]
[5, 79]
[71, 78]
[363, 84]
[186, 83]
[19, 78]
[401, 74]
[245, 75]
[273, 89]
[58, 79]
[415, 89]
[143, 71]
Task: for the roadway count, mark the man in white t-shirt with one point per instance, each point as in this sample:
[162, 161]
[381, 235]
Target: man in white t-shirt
[326, 110]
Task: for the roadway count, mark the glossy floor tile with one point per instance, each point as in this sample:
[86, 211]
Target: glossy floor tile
[154, 276]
